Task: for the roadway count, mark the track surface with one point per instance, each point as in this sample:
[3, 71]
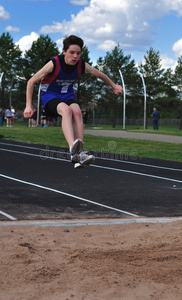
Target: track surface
[40, 183]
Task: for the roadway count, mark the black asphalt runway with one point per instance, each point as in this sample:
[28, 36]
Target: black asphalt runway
[40, 183]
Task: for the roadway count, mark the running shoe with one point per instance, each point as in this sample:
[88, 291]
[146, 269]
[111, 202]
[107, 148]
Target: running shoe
[85, 160]
[75, 151]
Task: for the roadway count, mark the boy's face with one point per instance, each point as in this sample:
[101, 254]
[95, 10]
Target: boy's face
[72, 55]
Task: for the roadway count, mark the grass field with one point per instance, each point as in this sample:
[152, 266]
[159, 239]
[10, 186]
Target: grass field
[53, 136]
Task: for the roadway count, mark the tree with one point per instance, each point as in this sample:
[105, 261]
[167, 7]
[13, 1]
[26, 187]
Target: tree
[10, 66]
[167, 100]
[178, 82]
[159, 84]
[134, 91]
[41, 51]
[152, 71]
[84, 85]
[112, 63]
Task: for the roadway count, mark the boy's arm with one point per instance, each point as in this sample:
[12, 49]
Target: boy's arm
[48, 68]
[117, 89]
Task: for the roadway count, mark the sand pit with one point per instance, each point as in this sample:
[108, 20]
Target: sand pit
[117, 262]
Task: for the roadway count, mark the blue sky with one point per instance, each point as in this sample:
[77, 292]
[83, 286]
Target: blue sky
[136, 25]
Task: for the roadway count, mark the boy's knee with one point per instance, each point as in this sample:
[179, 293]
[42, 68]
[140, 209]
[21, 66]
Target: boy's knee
[64, 110]
[77, 113]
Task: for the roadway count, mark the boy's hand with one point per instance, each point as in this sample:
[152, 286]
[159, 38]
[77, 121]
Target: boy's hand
[117, 89]
[28, 112]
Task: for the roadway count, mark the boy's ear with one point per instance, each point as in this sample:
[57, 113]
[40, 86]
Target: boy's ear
[64, 51]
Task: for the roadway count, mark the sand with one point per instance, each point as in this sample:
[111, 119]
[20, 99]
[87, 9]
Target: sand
[137, 261]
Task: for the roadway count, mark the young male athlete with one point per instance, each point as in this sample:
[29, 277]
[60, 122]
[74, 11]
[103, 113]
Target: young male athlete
[58, 98]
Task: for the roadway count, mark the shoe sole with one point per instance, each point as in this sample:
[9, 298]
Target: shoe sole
[87, 162]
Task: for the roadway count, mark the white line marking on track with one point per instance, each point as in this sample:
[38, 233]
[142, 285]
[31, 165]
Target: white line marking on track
[137, 173]
[68, 195]
[140, 164]
[36, 155]
[36, 148]
[96, 166]
[7, 215]
[100, 158]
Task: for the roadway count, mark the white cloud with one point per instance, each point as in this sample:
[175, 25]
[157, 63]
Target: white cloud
[175, 5]
[108, 45]
[104, 30]
[79, 2]
[13, 29]
[60, 44]
[25, 42]
[167, 62]
[119, 21]
[57, 27]
[177, 48]
[4, 15]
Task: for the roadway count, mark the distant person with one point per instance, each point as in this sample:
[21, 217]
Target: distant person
[58, 77]
[1, 116]
[155, 116]
[44, 119]
[8, 117]
[12, 116]
[33, 119]
[85, 117]
[29, 122]
[52, 122]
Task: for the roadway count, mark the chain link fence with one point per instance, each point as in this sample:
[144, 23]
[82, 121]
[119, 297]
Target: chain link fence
[105, 120]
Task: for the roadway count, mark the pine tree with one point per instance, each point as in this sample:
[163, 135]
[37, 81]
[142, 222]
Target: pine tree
[178, 82]
[10, 66]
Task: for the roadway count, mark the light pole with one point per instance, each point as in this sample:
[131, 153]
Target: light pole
[38, 107]
[93, 112]
[10, 97]
[145, 102]
[124, 100]
[1, 77]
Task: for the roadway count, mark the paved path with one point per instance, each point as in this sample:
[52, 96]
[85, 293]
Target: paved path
[135, 135]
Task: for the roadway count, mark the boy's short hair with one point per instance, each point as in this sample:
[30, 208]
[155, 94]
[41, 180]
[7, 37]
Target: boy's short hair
[72, 40]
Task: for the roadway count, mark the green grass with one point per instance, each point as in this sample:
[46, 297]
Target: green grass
[132, 148]
[119, 146]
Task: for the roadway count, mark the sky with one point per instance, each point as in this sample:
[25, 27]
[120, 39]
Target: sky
[136, 25]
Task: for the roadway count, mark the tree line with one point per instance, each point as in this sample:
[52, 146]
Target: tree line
[163, 86]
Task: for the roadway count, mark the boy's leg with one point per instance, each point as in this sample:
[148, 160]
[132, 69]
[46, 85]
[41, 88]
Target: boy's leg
[75, 144]
[83, 159]
[72, 126]
[77, 121]
[65, 111]
[72, 123]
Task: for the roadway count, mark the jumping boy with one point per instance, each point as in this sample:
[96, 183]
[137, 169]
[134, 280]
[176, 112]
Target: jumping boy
[58, 98]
